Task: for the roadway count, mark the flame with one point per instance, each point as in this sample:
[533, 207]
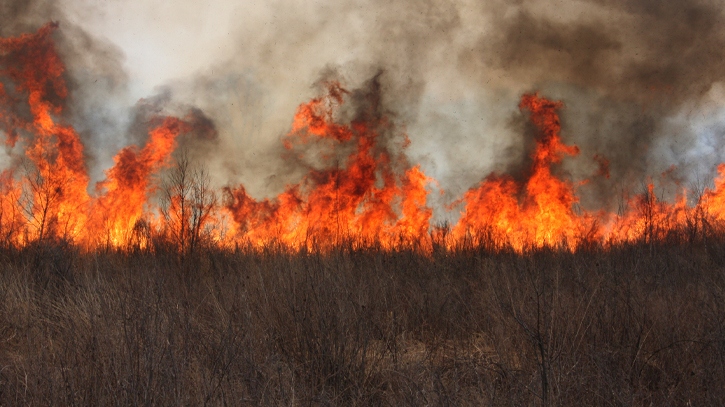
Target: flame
[57, 179]
[55, 183]
[538, 212]
[365, 193]
[128, 187]
[362, 200]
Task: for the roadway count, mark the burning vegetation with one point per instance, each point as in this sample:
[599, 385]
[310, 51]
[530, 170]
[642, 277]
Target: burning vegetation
[367, 192]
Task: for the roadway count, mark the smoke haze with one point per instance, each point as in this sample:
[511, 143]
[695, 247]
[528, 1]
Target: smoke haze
[642, 81]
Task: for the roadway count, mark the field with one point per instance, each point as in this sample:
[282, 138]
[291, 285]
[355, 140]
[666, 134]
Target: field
[635, 325]
[165, 282]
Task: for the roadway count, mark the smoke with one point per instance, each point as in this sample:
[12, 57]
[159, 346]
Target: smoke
[627, 72]
[19, 16]
[641, 80]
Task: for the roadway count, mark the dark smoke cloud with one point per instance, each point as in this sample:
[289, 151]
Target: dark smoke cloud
[669, 51]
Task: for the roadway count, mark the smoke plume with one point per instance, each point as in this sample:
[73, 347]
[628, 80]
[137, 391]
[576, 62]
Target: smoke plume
[641, 81]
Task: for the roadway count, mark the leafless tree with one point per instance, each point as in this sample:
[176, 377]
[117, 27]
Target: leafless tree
[42, 192]
[187, 204]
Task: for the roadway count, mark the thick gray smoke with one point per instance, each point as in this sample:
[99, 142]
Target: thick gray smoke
[642, 81]
[19, 16]
[633, 74]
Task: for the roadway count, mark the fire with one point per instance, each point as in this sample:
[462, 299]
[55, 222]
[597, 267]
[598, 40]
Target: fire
[537, 213]
[714, 200]
[56, 174]
[363, 200]
[128, 187]
[52, 195]
[365, 193]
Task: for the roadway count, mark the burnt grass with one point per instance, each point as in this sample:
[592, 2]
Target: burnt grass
[634, 325]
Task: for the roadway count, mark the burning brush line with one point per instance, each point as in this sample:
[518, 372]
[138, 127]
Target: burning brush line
[372, 196]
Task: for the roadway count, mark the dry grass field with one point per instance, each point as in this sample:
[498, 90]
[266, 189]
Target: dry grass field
[636, 325]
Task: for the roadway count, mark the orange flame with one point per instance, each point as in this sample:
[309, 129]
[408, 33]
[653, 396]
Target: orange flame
[128, 186]
[371, 195]
[537, 213]
[56, 182]
[57, 174]
[363, 201]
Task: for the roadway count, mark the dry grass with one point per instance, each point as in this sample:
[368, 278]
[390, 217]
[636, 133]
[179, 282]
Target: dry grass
[637, 325]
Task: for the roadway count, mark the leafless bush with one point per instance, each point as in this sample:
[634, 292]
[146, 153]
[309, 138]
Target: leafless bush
[187, 205]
